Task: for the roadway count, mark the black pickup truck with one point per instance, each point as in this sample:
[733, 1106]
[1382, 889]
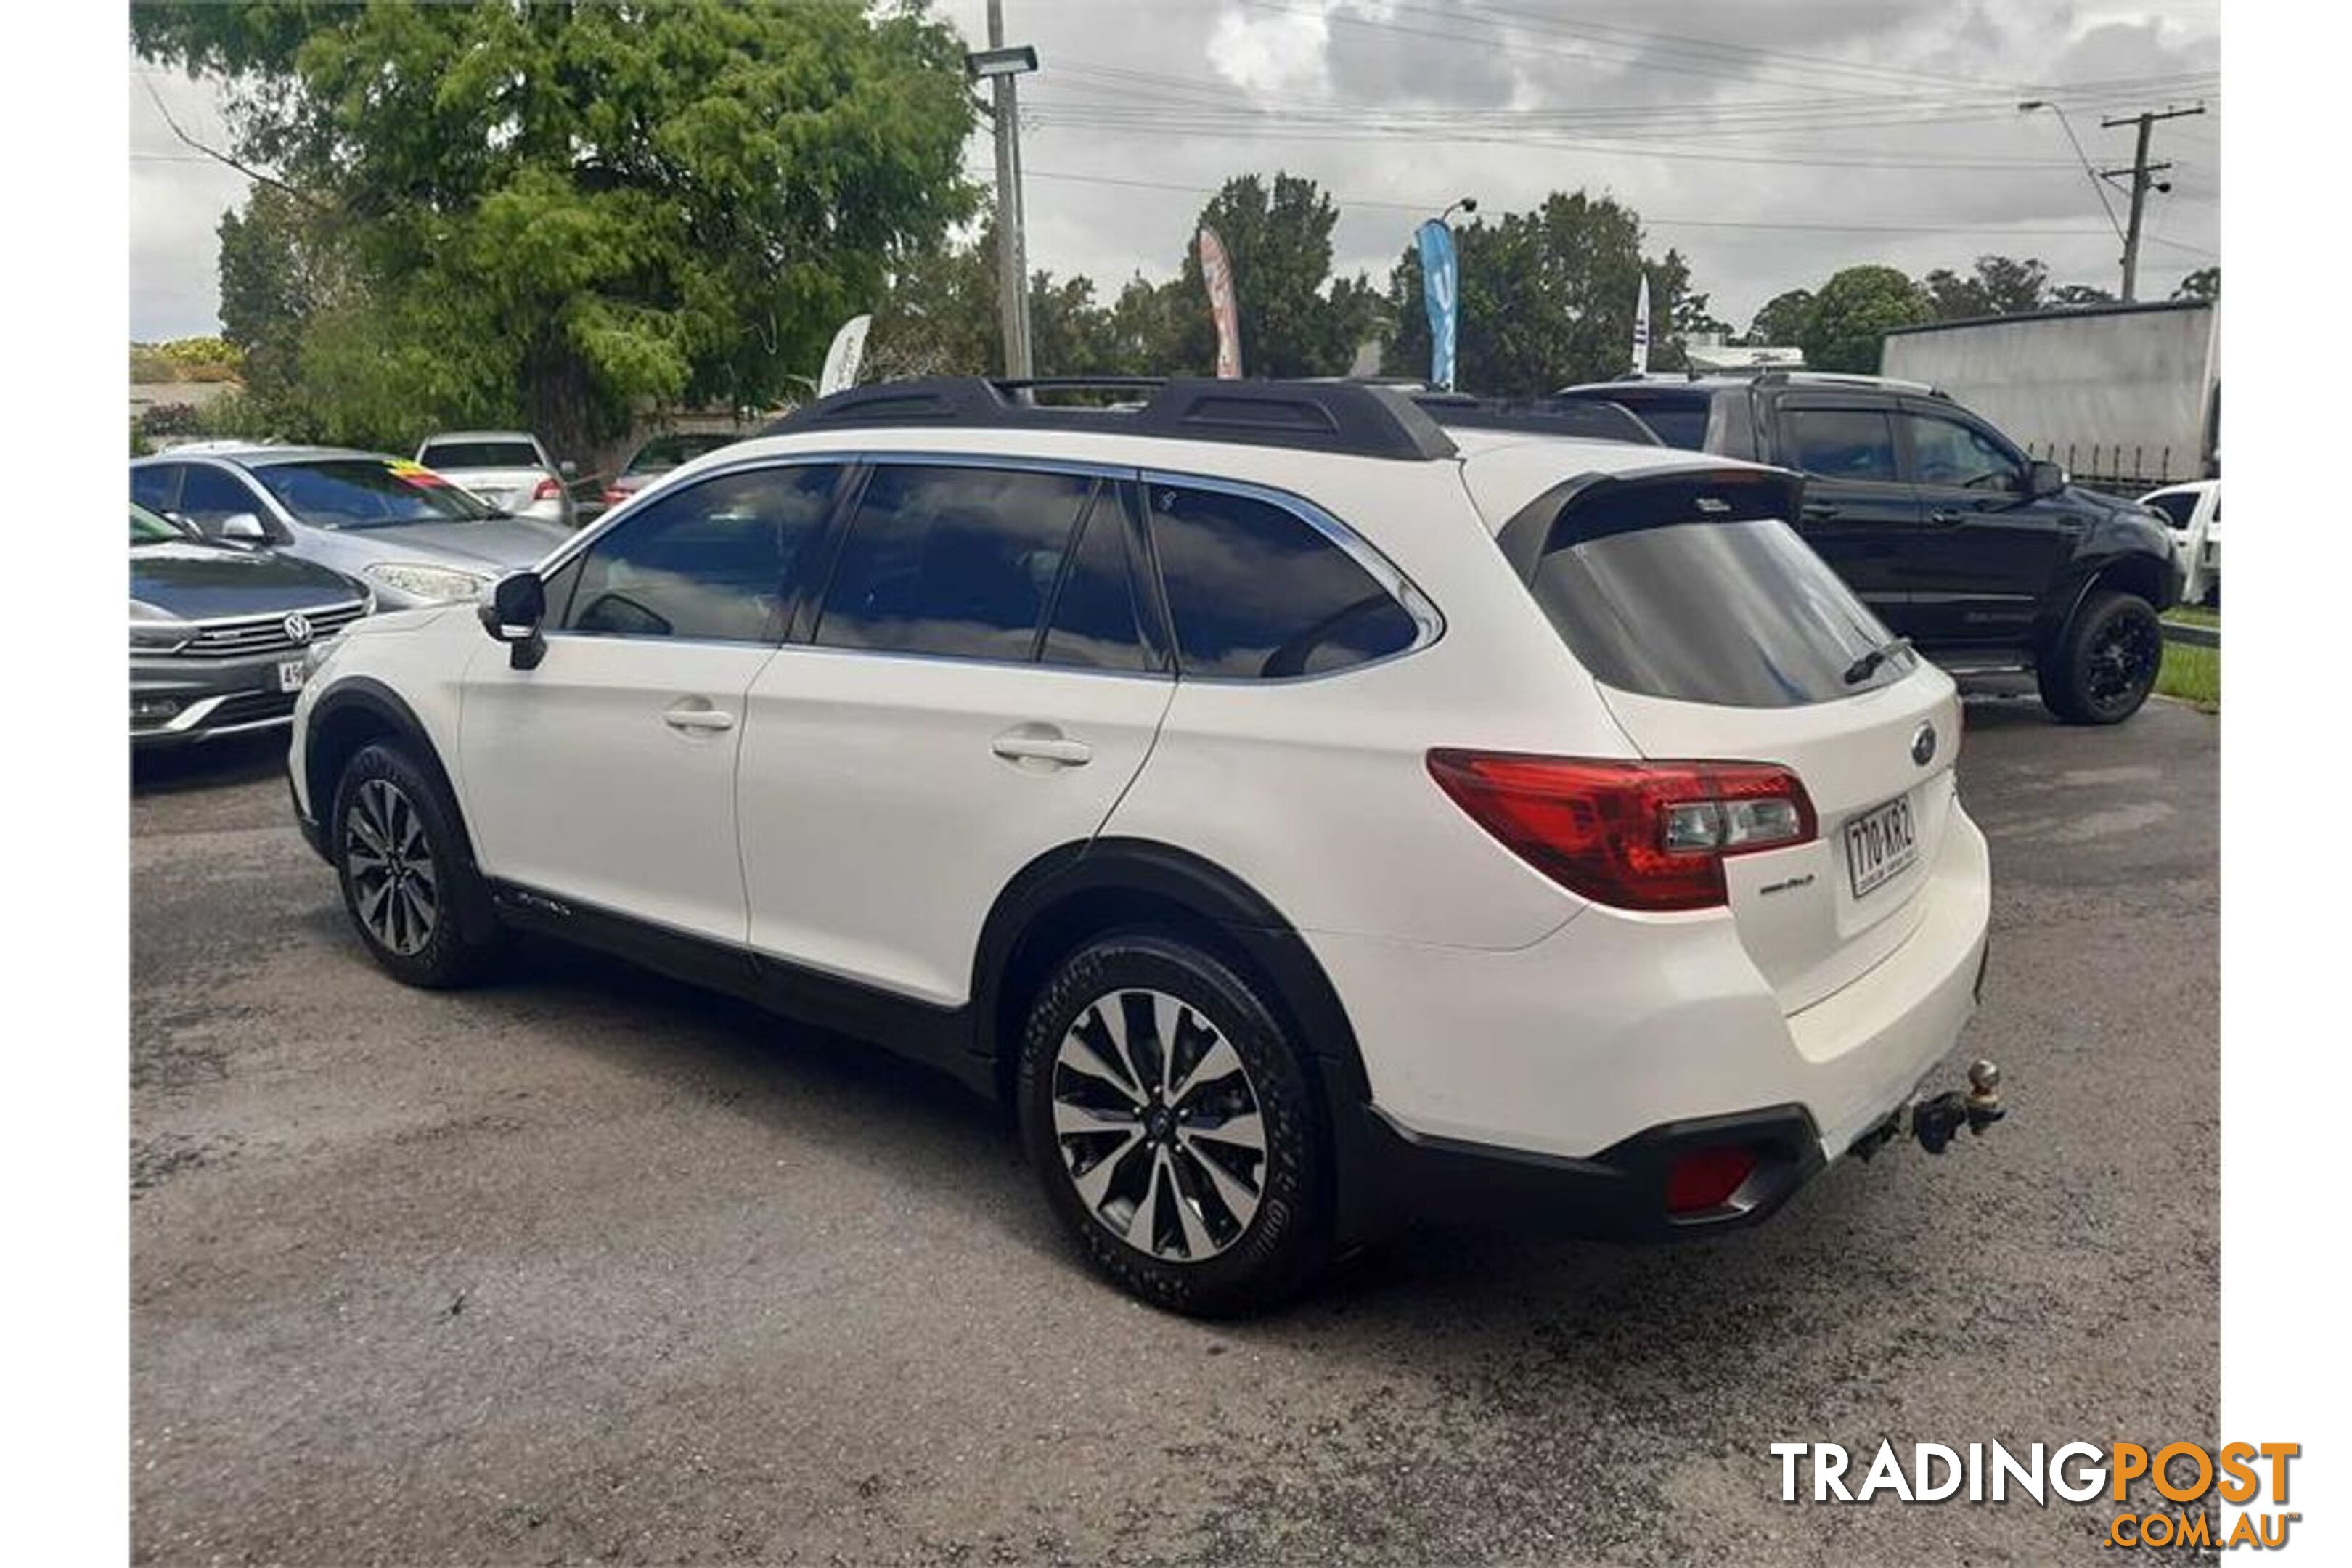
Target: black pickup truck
[1985, 558]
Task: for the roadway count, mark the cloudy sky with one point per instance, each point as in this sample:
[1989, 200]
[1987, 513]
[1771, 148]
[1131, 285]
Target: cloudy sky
[1770, 141]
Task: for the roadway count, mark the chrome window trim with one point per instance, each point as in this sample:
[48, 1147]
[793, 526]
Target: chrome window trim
[1429, 623]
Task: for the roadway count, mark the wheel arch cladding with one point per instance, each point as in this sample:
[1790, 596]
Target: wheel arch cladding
[357, 714]
[1075, 891]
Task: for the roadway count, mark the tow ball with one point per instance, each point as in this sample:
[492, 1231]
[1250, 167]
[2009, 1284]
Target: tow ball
[1936, 1122]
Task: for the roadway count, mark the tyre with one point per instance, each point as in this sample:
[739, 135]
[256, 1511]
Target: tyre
[409, 876]
[1175, 1127]
[2104, 664]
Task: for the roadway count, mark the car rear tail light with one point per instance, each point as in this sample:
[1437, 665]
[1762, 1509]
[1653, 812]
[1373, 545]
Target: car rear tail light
[1705, 1179]
[615, 495]
[549, 490]
[1640, 835]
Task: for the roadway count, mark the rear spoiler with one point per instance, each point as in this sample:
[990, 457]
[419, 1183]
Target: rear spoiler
[1595, 506]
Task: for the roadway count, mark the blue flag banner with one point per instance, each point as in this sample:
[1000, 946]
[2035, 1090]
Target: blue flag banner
[1441, 291]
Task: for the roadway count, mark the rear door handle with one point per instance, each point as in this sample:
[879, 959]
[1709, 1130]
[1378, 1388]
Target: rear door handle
[1026, 745]
[1945, 516]
[1820, 510]
[698, 719]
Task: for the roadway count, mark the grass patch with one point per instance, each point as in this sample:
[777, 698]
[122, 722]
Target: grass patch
[2192, 674]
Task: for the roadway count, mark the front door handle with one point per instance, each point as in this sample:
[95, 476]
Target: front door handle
[702, 719]
[1820, 510]
[1945, 516]
[1041, 745]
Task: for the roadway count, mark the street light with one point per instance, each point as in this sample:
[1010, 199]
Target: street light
[2097, 185]
[1467, 204]
[1000, 65]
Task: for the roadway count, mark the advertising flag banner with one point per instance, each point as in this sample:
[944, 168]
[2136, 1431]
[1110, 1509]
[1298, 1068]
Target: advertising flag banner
[1217, 272]
[1642, 330]
[1440, 291]
[842, 360]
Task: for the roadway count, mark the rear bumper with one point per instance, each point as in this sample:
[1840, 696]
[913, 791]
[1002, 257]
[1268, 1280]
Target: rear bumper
[1619, 1194]
[1550, 1083]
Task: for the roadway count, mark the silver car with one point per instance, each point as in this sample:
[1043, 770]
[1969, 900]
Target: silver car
[507, 468]
[400, 528]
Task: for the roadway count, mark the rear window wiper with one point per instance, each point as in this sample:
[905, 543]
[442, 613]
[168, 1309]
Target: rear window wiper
[1863, 669]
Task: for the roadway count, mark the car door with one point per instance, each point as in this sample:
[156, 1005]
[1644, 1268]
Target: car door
[973, 689]
[1988, 549]
[605, 775]
[1859, 515]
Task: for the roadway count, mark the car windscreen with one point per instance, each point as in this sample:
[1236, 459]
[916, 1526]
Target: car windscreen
[664, 453]
[368, 492]
[1681, 592]
[479, 454]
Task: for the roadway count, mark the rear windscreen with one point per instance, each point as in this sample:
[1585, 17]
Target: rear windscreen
[1735, 610]
[1679, 421]
[480, 455]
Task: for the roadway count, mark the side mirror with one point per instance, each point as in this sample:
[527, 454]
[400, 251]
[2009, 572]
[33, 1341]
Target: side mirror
[244, 527]
[568, 468]
[2044, 478]
[511, 612]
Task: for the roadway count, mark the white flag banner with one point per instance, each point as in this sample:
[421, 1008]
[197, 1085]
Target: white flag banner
[842, 360]
[1642, 330]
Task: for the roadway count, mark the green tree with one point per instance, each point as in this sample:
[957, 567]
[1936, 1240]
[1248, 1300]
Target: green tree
[2205, 283]
[1547, 298]
[1998, 286]
[1854, 312]
[558, 213]
[1278, 238]
[280, 268]
[1781, 321]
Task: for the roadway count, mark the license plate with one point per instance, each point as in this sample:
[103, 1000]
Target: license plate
[1879, 844]
[290, 672]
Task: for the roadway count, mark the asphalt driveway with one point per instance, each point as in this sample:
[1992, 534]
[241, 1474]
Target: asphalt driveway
[586, 1266]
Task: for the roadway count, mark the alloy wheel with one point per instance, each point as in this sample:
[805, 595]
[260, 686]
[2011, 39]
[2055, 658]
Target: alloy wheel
[2122, 662]
[1159, 1125]
[395, 890]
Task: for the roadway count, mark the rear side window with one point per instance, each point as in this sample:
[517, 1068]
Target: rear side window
[1257, 591]
[479, 454]
[954, 562]
[2179, 508]
[717, 561]
[1700, 593]
[1093, 622]
[1841, 443]
[1679, 421]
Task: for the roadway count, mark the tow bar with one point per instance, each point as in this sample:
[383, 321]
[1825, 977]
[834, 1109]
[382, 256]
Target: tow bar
[1936, 1122]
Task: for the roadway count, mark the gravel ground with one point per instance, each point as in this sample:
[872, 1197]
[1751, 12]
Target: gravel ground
[589, 1266]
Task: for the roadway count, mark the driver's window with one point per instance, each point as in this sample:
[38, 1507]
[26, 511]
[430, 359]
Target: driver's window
[717, 561]
[209, 498]
[1257, 591]
[1951, 455]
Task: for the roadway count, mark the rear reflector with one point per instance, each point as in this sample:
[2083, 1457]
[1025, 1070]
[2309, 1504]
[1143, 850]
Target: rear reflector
[1706, 1179]
[1639, 836]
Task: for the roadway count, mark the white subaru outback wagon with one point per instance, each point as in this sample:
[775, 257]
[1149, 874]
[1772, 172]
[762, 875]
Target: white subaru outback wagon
[1304, 812]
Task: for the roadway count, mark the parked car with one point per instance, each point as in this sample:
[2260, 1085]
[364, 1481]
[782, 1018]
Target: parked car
[404, 530]
[220, 634]
[1303, 815]
[507, 468]
[2193, 514]
[659, 455]
[1983, 557]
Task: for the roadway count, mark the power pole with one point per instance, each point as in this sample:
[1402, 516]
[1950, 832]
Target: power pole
[2143, 175]
[1012, 251]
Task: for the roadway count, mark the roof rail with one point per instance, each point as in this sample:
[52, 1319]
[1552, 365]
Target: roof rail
[1304, 415]
[1590, 418]
[1842, 378]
